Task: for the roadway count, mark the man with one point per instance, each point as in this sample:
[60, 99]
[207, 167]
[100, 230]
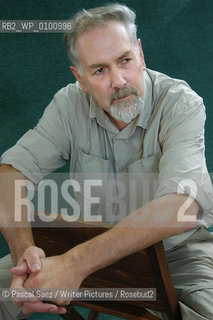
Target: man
[119, 117]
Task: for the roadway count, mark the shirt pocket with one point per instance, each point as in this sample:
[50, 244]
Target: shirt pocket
[143, 181]
[95, 177]
[89, 163]
[147, 164]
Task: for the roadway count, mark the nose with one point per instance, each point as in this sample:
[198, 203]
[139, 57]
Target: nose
[117, 79]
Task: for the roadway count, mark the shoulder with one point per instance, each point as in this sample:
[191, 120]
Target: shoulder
[173, 96]
[71, 101]
[72, 94]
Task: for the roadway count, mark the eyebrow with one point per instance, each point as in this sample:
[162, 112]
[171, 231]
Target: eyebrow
[98, 65]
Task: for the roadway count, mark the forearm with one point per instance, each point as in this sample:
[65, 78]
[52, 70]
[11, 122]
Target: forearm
[18, 235]
[137, 231]
[18, 240]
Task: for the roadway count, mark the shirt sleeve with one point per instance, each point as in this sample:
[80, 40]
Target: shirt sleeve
[182, 167]
[43, 149]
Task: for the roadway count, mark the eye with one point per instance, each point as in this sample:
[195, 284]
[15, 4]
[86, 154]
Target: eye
[100, 70]
[126, 60]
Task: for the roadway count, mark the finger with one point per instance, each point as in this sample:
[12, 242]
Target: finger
[43, 307]
[26, 312]
[20, 269]
[17, 283]
[32, 258]
[61, 303]
[17, 303]
[34, 264]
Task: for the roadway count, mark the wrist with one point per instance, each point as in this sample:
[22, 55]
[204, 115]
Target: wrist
[77, 260]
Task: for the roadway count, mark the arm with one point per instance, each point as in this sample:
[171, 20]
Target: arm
[133, 233]
[18, 238]
[37, 153]
[137, 231]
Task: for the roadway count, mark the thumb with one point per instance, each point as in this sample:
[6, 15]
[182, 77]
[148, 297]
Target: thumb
[33, 259]
[34, 263]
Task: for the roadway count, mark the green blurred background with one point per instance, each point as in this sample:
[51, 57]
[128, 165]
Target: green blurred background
[177, 39]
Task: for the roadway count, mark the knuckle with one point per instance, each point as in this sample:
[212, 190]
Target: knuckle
[62, 303]
[17, 303]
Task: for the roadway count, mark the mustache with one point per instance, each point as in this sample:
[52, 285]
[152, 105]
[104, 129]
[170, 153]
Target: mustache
[124, 92]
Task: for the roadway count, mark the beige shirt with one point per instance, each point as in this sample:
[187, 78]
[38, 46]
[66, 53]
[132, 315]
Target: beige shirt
[166, 140]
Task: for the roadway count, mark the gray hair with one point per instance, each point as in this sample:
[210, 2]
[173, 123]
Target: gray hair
[89, 19]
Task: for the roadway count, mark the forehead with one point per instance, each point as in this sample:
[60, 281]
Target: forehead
[103, 42]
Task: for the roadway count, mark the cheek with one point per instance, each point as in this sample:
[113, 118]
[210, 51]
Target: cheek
[136, 77]
[100, 91]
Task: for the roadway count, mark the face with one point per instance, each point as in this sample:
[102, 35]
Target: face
[112, 68]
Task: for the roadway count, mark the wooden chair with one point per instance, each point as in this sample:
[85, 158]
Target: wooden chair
[144, 269]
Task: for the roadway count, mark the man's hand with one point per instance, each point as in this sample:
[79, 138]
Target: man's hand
[55, 273]
[29, 264]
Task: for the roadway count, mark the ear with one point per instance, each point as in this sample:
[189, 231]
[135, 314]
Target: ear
[78, 78]
[141, 53]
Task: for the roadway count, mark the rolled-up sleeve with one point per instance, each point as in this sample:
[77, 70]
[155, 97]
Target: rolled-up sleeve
[44, 148]
[182, 167]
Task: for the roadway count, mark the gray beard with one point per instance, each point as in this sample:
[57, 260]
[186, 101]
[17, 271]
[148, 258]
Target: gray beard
[126, 111]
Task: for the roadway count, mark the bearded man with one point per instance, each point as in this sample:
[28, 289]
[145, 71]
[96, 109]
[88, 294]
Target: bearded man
[118, 117]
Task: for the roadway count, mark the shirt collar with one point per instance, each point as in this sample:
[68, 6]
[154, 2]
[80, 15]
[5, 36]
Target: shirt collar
[144, 116]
